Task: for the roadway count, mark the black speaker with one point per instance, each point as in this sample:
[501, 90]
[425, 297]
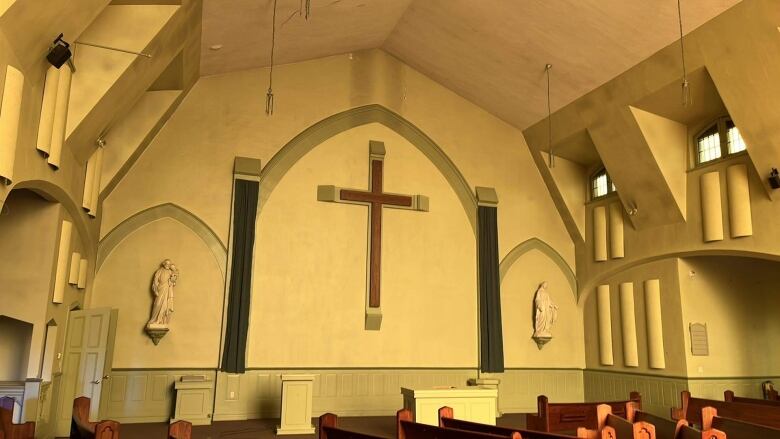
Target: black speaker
[774, 179]
[59, 52]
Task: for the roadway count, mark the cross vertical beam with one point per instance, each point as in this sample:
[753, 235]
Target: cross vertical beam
[375, 199]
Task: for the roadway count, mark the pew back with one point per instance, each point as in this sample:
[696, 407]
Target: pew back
[619, 428]
[729, 396]
[451, 423]
[691, 410]
[664, 428]
[328, 429]
[7, 426]
[553, 417]
[180, 430]
[82, 428]
[744, 430]
[413, 430]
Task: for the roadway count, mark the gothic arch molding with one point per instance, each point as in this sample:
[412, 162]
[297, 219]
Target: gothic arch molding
[537, 244]
[167, 210]
[309, 138]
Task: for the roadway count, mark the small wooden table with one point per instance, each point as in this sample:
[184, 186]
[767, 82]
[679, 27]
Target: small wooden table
[473, 403]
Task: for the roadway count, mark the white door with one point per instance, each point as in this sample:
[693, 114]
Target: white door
[87, 362]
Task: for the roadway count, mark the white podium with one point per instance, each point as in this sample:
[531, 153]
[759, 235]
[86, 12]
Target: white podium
[474, 403]
[296, 404]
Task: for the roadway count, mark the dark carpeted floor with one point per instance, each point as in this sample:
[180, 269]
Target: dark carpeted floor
[383, 426]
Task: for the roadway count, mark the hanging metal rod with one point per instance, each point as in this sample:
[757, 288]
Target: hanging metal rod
[116, 49]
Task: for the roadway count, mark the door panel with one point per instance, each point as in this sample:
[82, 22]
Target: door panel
[87, 342]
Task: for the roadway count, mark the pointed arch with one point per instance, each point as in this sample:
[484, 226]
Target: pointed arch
[537, 244]
[304, 142]
[54, 193]
[167, 210]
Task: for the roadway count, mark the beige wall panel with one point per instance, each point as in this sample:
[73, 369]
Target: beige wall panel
[736, 298]
[193, 340]
[82, 278]
[517, 300]
[655, 332]
[73, 273]
[46, 123]
[95, 192]
[144, 395]
[60, 117]
[659, 394]
[616, 245]
[713, 388]
[628, 325]
[674, 329]
[604, 325]
[10, 112]
[600, 233]
[89, 182]
[711, 208]
[217, 112]
[61, 275]
[376, 392]
[738, 189]
[29, 234]
[310, 261]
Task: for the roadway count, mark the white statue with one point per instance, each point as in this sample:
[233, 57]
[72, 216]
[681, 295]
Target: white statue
[545, 314]
[162, 286]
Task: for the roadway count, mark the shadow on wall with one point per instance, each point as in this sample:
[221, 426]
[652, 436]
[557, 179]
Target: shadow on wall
[15, 340]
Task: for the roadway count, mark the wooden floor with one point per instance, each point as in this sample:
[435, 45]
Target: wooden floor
[383, 426]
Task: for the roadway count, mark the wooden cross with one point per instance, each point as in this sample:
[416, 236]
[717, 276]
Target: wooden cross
[375, 198]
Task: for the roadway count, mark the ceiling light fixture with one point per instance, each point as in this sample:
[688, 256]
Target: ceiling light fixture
[551, 164]
[686, 88]
[269, 96]
[215, 46]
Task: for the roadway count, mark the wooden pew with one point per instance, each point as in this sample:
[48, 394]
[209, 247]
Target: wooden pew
[10, 430]
[552, 417]
[82, 428]
[664, 428]
[735, 429]
[327, 428]
[729, 396]
[446, 420]
[615, 427]
[691, 410]
[180, 430]
[406, 428]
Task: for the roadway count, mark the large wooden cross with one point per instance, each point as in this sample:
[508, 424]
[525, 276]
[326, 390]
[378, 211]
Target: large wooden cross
[375, 198]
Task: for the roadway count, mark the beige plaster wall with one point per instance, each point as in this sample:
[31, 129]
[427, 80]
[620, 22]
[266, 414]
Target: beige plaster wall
[517, 295]
[686, 238]
[15, 338]
[666, 271]
[223, 116]
[124, 282]
[29, 234]
[309, 275]
[310, 268]
[736, 298]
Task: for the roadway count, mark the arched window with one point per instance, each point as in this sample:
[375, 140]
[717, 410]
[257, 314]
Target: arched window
[601, 184]
[720, 139]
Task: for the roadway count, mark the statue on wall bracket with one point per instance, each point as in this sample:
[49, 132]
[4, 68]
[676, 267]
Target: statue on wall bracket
[545, 314]
[163, 283]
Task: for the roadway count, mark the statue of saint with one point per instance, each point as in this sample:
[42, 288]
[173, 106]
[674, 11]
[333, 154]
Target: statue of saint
[545, 313]
[162, 286]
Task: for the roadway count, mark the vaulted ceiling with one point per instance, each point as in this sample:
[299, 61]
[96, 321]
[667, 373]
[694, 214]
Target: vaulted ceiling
[492, 52]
